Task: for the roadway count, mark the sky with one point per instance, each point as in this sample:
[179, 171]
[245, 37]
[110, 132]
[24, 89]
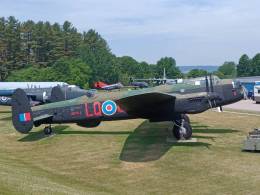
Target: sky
[194, 32]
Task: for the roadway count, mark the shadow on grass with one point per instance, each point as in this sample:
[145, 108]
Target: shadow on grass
[5, 111]
[149, 142]
[251, 151]
[60, 130]
[7, 118]
[213, 130]
[199, 126]
[38, 135]
[204, 137]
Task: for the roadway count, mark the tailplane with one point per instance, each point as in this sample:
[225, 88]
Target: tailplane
[21, 112]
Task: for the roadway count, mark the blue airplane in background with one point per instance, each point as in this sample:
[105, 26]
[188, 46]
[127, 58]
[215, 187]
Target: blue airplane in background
[38, 96]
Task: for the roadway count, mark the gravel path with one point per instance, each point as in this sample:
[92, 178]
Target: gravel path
[244, 105]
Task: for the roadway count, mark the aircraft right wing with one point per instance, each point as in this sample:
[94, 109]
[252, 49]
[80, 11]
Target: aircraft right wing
[147, 104]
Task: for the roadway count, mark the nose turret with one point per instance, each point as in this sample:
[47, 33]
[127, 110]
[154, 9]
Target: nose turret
[229, 92]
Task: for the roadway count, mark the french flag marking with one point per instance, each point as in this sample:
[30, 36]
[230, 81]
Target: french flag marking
[25, 117]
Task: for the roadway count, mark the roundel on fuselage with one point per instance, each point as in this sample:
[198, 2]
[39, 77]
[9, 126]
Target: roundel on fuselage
[109, 107]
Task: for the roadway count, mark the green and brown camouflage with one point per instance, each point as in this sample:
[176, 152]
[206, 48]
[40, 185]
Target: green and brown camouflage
[161, 103]
[178, 90]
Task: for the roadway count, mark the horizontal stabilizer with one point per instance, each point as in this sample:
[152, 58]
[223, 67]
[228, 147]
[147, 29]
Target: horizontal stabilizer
[42, 117]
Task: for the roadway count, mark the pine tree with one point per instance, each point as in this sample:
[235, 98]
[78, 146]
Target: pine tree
[169, 64]
[95, 52]
[3, 59]
[255, 63]
[244, 68]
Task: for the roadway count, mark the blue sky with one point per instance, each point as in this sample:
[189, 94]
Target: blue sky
[194, 32]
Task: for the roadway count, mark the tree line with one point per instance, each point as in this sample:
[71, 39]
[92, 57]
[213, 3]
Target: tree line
[42, 51]
[245, 67]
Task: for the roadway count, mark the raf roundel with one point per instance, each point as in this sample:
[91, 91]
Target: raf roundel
[109, 107]
[3, 99]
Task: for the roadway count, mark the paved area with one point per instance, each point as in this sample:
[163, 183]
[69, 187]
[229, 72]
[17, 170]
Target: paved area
[244, 105]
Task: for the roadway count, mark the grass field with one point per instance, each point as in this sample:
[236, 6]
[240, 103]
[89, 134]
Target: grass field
[130, 157]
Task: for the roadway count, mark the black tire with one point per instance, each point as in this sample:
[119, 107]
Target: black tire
[47, 130]
[188, 128]
[177, 131]
[185, 117]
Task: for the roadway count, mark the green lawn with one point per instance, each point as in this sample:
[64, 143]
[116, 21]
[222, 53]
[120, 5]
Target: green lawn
[130, 157]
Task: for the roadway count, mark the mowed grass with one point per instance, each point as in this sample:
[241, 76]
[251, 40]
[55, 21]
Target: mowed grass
[130, 157]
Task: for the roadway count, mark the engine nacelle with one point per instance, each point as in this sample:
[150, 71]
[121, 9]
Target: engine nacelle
[89, 124]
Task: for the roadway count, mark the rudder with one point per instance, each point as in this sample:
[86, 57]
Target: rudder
[57, 94]
[21, 112]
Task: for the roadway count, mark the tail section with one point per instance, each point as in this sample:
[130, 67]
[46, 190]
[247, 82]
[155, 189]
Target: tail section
[100, 84]
[21, 112]
[57, 94]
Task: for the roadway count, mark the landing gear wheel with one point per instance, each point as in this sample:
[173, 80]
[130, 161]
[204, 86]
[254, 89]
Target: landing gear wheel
[185, 117]
[47, 130]
[176, 132]
[183, 131]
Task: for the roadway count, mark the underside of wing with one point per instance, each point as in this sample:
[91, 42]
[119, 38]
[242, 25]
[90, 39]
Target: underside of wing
[148, 105]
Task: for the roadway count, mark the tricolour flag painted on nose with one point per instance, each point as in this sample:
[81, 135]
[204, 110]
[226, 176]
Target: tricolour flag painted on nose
[24, 117]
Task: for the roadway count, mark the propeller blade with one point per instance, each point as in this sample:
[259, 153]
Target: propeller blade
[211, 83]
[207, 84]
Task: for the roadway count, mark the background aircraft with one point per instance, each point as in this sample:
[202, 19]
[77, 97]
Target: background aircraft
[38, 96]
[25, 85]
[5, 101]
[158, 81]
[161, 103]
[105, 86]
[35, 95]
[38, 92]
[139, 84]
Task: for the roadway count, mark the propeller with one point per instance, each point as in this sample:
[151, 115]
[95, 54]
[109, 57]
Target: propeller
[207, 84]
[211, 96]
[211, 83]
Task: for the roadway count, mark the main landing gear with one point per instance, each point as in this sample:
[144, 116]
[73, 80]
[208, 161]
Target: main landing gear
[182, 128]
[47, 130]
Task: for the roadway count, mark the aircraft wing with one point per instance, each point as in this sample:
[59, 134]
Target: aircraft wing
[147, 104]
